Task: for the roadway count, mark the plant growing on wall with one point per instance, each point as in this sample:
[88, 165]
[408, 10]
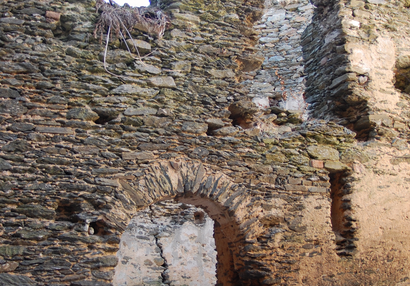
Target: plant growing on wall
[117, 21]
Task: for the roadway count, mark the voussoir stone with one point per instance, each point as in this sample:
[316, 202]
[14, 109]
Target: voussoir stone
[323, 153]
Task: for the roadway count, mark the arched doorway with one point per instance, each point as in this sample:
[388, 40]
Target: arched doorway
[225, 202]
[168, 243]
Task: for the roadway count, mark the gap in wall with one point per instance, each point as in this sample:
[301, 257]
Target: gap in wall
[343, 224]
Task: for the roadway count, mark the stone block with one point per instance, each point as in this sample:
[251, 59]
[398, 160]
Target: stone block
[221, 73]
[194, 127]
[323, 152]
[17, 146]
[317, 190]
[145, 155]
[399, 125]
[12, 20]
[181, 66]
[264, 169]
[142, 67]
[403, 62]
[12, 107]
[82, 113]
[294, 181]
[316, 163]
[335, 166]
[21, 127]
[15, 280]
[35, 211]
[11, 250]
[4, 165]
[53, 15]
[276, 157]
[54, 130]
[162, 81]
[9, 266]
[187, 17]
[134, 90]
[8, 92]
[142, 46]
[107, 182]
[295, 188]
[86, 150]
[140, 111]
[225, 131]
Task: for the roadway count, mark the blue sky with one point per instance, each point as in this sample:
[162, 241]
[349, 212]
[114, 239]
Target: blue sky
[133, 3]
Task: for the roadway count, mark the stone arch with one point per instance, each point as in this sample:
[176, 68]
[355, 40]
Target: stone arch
[193, 183]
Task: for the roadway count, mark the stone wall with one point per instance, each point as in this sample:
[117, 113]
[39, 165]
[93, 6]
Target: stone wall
[293, 202]
[281, 77]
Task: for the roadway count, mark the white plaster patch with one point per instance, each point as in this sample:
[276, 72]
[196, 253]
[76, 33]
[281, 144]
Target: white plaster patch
[261, 102]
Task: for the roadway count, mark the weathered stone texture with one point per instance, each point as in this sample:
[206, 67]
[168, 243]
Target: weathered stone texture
[212, 115]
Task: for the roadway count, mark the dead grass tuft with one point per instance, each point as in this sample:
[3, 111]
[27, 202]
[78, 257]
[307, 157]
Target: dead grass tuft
[116, 21]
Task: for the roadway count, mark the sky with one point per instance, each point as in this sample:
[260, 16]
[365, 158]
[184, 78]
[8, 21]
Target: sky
[133, 3]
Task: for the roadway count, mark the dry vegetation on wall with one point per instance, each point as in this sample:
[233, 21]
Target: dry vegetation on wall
[117, 21]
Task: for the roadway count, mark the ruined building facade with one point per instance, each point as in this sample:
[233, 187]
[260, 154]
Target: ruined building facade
[285, 124]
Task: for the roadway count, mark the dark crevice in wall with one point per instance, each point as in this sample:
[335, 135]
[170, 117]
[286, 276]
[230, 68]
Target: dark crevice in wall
[99, 228]
[67, 211]
[402, 79]
[343, 224]
[199, 218]
[230, 269]
[242, 113]
[165, 277]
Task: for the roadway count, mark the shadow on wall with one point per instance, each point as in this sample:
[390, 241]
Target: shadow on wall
[402, 74]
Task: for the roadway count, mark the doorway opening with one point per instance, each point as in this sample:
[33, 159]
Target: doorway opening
[186, 241]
